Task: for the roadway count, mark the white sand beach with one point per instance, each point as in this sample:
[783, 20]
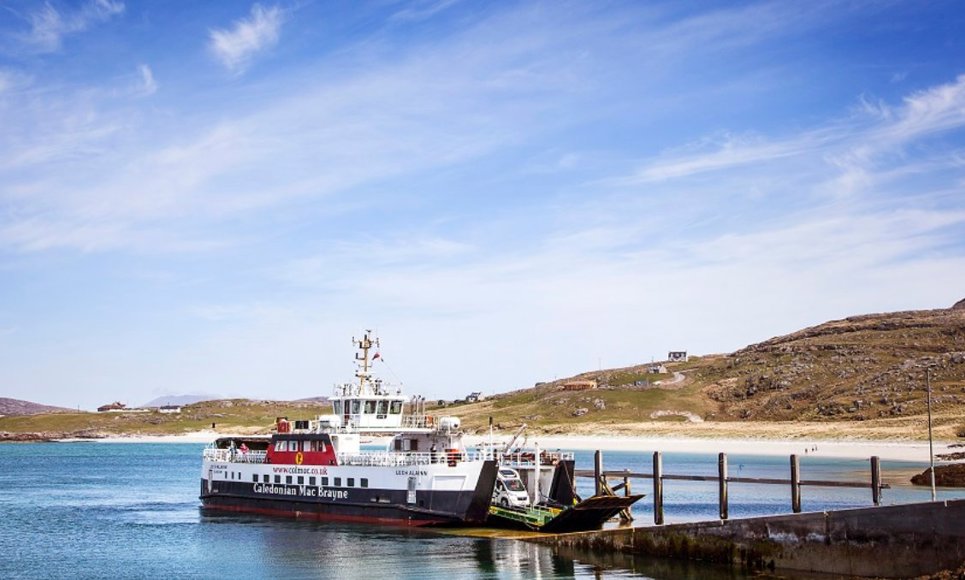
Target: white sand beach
[888, 450]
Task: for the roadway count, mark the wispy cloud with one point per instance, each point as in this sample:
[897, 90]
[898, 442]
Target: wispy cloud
[850, 144]
[728, 153]
[423, 9]
[49, 25]
[235, 47]
[11, 80]
[935, 109]
[147, 86]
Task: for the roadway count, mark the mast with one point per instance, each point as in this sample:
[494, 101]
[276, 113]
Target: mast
[364, 344]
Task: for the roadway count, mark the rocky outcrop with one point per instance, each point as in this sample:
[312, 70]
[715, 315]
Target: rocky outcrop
[41, 436]
[945, 476]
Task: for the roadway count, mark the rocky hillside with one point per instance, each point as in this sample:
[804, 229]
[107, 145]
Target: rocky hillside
[16, 407]
[859, 368]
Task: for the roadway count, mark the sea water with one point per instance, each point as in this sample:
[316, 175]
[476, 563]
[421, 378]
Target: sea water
[131, 510]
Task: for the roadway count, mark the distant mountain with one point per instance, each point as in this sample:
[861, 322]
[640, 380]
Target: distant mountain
[179, 400]
[11, 407]
[320, 400]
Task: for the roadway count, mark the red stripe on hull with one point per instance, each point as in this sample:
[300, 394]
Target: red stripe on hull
[328, 517]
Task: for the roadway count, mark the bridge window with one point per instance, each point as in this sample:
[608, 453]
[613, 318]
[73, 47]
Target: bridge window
[308, 445]
[293, 445]
[396, 407]
[356, 407]
[383, 409]
[369, 407]
[337, 407]
[281, 445]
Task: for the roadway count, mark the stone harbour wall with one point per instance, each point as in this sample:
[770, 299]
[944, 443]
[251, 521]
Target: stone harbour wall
[887, 542]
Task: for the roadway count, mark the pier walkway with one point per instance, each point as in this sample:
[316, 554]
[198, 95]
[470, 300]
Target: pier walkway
[898, 541]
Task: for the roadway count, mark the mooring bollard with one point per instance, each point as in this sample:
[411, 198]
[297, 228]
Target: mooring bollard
[795, 484]
[722, 483]
[598, 471]
[657, 488]
[876, 479]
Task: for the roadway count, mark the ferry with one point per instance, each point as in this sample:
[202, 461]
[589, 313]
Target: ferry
[317, 468]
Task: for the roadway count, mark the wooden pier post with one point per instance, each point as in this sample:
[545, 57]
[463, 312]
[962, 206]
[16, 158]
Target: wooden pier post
[657, 488]
[722, 483]
[598, 471]
[876, 479]
[795, 484]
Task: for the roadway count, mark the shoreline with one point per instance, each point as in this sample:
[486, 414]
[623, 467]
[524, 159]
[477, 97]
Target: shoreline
[845, 449]
[840, 449]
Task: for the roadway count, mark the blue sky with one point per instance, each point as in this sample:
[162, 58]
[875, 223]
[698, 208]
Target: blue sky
[215, 197]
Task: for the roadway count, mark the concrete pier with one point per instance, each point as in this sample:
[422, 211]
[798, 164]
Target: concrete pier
[887, 542]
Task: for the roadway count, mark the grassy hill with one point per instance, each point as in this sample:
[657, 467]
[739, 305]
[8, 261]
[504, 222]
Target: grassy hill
[863, 377]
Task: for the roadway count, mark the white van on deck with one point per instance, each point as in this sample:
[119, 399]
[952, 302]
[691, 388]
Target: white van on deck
[509, 490]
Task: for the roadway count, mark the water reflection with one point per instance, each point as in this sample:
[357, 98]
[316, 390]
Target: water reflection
[295, 549]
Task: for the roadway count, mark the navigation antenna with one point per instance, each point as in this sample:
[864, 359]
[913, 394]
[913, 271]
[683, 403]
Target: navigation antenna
[364, 344]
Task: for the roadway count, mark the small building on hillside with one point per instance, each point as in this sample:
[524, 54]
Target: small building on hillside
[169, 409]
[587, 385]
[656, 369]
[677, 356]
[475, 397]
[115, 406]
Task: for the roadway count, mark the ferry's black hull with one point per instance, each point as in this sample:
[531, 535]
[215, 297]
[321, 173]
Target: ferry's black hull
[378, 506]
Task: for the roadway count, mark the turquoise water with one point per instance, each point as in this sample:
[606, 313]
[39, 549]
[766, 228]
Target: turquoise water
[101, 510]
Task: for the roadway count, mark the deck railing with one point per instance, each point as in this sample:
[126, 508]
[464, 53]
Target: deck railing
[397, 458]
[234, 455]
[381, 459]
